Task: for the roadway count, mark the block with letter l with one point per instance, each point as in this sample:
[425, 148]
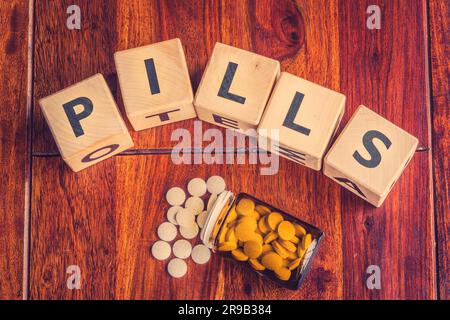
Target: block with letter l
[86, 123]
[235, 87]
[306, 116]
[369, 156]
[155, 84]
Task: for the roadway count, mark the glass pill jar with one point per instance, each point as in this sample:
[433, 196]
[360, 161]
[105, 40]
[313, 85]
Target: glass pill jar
[265, 239]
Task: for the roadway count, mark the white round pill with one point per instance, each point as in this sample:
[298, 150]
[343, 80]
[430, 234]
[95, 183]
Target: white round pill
[182, 249]
[175, 196]
[189, 232]
[167, 231]
[201, 254]
[201, 219]
[197, 187]
[215, 184]
[185, 218]
[171, 214]
[212, 199]
[195, 205]
[177, 268]
[161, 250]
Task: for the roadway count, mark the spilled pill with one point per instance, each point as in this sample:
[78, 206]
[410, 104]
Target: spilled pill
[171, 214]
[182, 249]
[161, 250]
[215, 184]
[167, 231]
[197, 187]
[189, 232]
[177, 268]
[195, 205]
[201, 254]
[175, 196]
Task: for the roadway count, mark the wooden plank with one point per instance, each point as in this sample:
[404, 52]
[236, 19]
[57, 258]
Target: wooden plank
[276, 29]
[104, 219]
[439, 15]
[13, 143]
[387, 71]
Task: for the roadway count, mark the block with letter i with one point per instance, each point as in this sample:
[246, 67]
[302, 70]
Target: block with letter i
[369, 156]
[235, 88]
[86, 123]
[305, 116]
[155, 84]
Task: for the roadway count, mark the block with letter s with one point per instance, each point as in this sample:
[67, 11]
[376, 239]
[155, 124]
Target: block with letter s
[85, 123]
[369, 156]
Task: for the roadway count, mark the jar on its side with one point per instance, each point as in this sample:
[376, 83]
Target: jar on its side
[251, 233]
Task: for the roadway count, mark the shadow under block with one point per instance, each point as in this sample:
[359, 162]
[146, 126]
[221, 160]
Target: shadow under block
[235, 88]
[300, 120]
[86, 123]
[155, 84]
[369, 156]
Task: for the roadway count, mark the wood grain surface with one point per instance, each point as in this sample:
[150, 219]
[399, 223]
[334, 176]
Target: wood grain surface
[13, 144]
[104, 219]
[440, 49]
[386, 71]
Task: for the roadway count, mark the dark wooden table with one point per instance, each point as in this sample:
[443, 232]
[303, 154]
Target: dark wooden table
[103, 219]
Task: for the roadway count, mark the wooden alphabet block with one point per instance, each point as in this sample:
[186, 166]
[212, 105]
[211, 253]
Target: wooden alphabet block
[369, 156]
[235, 87]
[86, 123]
[306, 116]
[155, 84]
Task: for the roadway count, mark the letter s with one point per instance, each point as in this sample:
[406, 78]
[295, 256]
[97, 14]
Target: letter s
[375, 156]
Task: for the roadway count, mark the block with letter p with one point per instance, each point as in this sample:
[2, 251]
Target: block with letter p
[155, 84]
[369, 156]
[235, 87]
[86, 123]
[306, 116]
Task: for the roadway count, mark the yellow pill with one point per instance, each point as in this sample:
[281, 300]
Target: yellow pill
[306, 241]
[282, 252]
[239, 255]
[231, 236]
[245, 207]
[253, 249]
[300, 252]
[274, 219]
[249, 220]
[266, 248]
[258, 238]
[295, 240]
[262, 209]
[262, 225]
[255, 215]
[285, 263]
[270, 237]
[272, 261]
[222, 234]
[283, 273]
[299, 230]
[256, 264]
[289, 246]
[227, 246]
[294, 264]
[286, 230]
[245, 230]
[232, 215]
[292, 255]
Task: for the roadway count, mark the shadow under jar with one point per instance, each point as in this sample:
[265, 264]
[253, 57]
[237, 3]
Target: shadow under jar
[265, 239]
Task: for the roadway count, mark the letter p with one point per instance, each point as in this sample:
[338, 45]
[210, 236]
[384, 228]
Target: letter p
[75, 118]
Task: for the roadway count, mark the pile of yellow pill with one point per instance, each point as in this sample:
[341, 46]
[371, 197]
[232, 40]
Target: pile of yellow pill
[256, 235]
